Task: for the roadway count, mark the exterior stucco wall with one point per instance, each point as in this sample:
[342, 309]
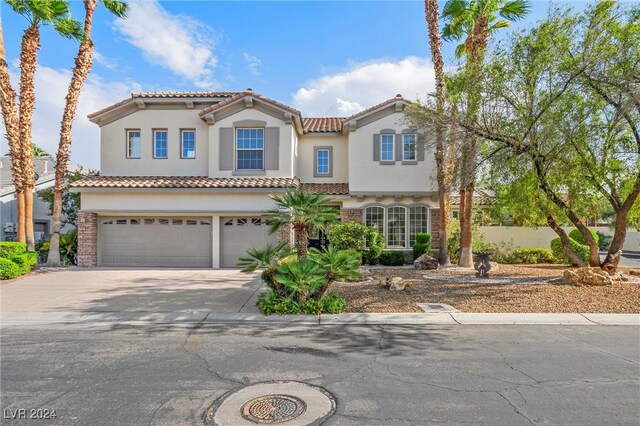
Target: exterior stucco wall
[286, 144]
[340, 162]
[367, 175]
[113, 144]
[175, 202]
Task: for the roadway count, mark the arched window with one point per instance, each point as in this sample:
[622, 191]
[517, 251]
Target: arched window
[418, 223]
[374, 218]
[397, 227]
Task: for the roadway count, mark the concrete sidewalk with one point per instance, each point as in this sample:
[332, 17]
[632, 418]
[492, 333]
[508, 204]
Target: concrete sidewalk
[191, 317]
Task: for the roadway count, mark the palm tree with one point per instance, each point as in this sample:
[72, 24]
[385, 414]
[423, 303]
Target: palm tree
[442, 157]
[303, 211]
[37, 13]
[10, 118]
[334, 265]
[300, 278]
[473, 21]
[81, 70]
[268, 259]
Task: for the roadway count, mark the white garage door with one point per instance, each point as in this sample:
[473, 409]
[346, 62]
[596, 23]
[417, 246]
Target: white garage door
[239, 234]
[155, 241]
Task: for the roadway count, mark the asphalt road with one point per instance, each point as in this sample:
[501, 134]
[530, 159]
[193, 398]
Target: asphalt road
[380, 375]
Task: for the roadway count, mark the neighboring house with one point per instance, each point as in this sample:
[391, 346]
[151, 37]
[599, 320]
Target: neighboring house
[42, 221]
[184, 177]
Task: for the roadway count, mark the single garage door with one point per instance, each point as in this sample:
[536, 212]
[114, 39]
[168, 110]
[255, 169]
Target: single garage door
[155, 241]
[239, 234]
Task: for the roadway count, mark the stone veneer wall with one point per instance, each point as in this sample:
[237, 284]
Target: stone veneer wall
[348, 215]
[435, 235]
[87, 239]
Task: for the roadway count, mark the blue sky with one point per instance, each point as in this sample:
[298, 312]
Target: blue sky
[324, 58]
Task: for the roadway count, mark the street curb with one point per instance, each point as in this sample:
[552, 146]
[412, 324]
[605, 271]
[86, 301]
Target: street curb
[203, 317]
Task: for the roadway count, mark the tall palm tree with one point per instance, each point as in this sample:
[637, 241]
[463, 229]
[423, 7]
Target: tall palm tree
[83, 64]
[303, 211]
[10, 118]
[442, 157]
[473, 21]
[37, 13]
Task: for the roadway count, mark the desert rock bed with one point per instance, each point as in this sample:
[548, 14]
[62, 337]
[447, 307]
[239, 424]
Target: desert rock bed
[515, 288]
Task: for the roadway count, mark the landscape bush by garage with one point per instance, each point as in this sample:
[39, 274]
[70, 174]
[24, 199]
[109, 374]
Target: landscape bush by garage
[15, 260]
[8, 269]
[533, 256]
[422, 245]
[392, 258]
[561, 257]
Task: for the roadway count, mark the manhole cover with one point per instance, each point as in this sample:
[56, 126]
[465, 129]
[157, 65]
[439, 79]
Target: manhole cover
[271, 409]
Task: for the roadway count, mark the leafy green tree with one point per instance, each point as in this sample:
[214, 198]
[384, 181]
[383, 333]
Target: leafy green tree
[550, 113]
[302, 211]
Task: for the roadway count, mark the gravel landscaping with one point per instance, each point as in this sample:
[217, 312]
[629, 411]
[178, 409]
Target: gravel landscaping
[511, 288]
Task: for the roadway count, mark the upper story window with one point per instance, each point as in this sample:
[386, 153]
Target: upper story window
[188, 143]
[160, 144]
[408, 147]
[133, 143]
[322, 161]
[386, 147]
[249, 149]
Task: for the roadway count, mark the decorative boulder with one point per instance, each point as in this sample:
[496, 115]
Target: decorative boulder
[425, 262]
[586, 276]
[396, 283]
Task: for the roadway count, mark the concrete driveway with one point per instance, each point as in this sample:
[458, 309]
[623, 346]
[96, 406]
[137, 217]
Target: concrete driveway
[106, 290]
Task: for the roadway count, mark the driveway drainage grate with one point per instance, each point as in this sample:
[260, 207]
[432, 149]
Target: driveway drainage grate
[272, 409]
[437, 307]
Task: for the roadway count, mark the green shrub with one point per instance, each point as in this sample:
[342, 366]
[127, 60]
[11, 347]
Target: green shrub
[561, 257]
[24, 261]
[8, 248]
[422, 245]
[8, 269]
[357, 254]
[348, 236]
[270, 303]
[533, 256]
[604, 240]
[392, 258]
[477, 243]
[68, 247]
[577, 236]
[356, 236]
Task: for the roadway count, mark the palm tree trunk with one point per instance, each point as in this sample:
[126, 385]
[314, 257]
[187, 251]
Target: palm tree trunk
[435, 43]
[81, 70]
[21, 236]
[301, 235]
[11, 124]
[28, 58]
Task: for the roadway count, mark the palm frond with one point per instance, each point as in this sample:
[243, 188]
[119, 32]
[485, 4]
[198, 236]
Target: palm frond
[69, 28]
[118, 8]
[514, 10]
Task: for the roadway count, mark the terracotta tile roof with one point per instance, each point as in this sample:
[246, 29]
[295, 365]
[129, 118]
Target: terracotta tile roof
[322, 124]
[184, 182]
[327, 188]
[240, 95]
[161, 95]
[482, 197]
[183, 94]
[375, 107]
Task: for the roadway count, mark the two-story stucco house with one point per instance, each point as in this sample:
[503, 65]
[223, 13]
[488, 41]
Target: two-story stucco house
[185, 176]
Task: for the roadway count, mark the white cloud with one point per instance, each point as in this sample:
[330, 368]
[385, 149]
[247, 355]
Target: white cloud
[51, 89]
[253, 63]
[365, 85]
[179, 43]
[99, 58]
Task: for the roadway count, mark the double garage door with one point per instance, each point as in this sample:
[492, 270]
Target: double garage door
[181, 242]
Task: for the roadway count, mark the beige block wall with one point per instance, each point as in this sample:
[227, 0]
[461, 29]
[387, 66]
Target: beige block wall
[365, 175]
[113, 147]
[306, 157]
[175, 202]
[286, 147]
